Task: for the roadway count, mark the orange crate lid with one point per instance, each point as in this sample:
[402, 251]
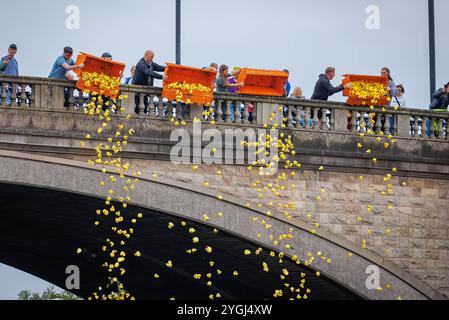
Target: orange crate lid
[262, 82]
[191, 75]
[101, 66]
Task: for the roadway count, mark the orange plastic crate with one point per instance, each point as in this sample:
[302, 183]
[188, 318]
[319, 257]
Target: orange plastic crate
[101, 66]
[191, 75]
[263, 82]
[355, 101]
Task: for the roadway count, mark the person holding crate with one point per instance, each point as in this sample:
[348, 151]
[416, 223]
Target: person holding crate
[222, 85]
[393, 92]
[146, 71]
[61, 68]
[324, 89]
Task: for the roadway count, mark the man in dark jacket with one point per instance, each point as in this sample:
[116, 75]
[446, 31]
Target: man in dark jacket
[440, 98]
[324, 89]
[146, 72]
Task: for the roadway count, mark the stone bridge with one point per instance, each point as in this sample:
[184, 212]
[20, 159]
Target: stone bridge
[50, 195]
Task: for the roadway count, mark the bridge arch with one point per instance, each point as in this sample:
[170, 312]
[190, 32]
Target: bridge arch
[66, 177]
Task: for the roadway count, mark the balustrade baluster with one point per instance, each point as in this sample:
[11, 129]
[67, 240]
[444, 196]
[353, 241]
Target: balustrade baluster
[395, 125]
[353, 121]
[387, 123]
[219, 111]
[227, 112]
[308, 118]
[3, 94]
[440, 134]
[12, 88]
[298, 120]
[245, 119]
[153, 106]
[378, 125]
[237, 113]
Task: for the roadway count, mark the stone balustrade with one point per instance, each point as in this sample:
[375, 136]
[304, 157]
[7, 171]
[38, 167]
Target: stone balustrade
[301, 114]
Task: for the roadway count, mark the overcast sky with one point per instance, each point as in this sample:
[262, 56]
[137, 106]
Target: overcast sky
[300, 35]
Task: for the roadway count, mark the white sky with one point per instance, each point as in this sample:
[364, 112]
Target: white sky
[300, 35]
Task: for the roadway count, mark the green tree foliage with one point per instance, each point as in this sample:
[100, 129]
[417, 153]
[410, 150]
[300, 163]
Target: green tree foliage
[49, 294]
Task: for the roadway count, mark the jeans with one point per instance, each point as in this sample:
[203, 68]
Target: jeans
[250, 117]
[241, 109]
[164, 108]
[185, 110]
[391, 121]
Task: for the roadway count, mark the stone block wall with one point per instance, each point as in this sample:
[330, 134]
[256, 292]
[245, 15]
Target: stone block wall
[409, 227]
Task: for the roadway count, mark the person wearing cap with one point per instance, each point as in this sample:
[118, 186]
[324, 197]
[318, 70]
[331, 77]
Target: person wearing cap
[61, 67]
[9, 66]
[107, 56]
[9, 63]
[63, 64]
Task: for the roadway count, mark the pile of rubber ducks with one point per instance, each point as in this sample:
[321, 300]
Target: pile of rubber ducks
[104, 84]
[182, 88]
[368, 90]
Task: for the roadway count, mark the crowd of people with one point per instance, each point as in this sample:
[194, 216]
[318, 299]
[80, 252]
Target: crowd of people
[146, 71]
